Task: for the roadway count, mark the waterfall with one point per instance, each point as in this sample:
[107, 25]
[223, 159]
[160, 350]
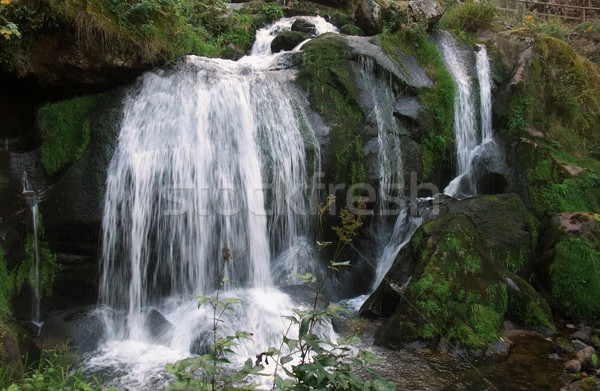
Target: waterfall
[470, 134]
[211, 154]
[29, 193]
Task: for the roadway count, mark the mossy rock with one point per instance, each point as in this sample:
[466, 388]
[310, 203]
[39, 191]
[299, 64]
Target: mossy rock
[350, 29]
[287, 40]
[458, 288]
[525, 306]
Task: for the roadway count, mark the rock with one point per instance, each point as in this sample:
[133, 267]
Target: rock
[587, 384]
[525, 306]
[430, 10]
[10, 355]
[573, 366]
[582, 336]
[304, 26]
[563, 346]
[350, 29]
[158, 326]
[554, 356]
[578, 224]
[369, 17]
[588, 358]
[304, 295]
[287, 40]
[82, 327]
[578, 345]
[490, 172]
[408, 107]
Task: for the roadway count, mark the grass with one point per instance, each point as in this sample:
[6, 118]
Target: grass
[65, 131]
[469, 16]
[575, 278]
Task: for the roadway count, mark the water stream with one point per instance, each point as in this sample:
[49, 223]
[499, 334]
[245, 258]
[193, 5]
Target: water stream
[29, 193]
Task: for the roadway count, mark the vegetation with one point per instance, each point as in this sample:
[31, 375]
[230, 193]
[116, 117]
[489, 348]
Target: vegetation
[470, 16]
[575, 278]
[151, 31]
[5, 287]
[65, 130]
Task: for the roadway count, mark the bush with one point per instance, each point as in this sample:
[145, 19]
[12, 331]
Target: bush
[470, 16]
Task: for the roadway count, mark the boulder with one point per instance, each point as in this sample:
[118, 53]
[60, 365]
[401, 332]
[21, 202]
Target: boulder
[10, 355]
[304, 26]
[573, 366]
[429, 10]
[158, 326]
[369, 17]
[81, 327]
[588, 358]
[350, 29]
[287, 40]
[563, 346]
[582, 336]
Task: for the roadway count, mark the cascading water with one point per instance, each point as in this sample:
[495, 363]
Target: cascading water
[198, 146]
[29, 193]
[470, 135]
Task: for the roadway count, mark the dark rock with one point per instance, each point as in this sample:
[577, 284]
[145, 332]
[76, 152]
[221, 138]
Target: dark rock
[304, 26]
[350, 29]
[578, 345]
[573, 366]
[563, 346]
[10, 355]
[369, 17]
[588, 358]
[304, 295]
[82, 327]
[525, 306]
[582, 336]
[287, 40]
[158, 326]
[490, 172]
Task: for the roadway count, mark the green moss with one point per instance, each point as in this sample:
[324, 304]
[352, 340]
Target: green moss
[455, 294]
[329, 79]
[575, 278]
[65, 130]
[571, 195]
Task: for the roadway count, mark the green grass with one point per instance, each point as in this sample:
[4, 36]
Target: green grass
[469, 16]
[65, 131]
[575, 278]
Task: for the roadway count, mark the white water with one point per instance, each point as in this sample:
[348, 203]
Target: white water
[210, 154]
[29, 192]
[470, 134]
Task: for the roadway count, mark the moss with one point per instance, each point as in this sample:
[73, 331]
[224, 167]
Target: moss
[329, 79]
[65, 130]
[575, 278]
[455, 293]
[526, 307]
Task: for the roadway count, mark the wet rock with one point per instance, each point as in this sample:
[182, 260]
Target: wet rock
[287, 40]
[158, 326]
[578, 345]
[582, 336]
[588, 358]
[409, 107]
[304, 295]
[304, 26]
[350, 29]
[573, 366]
[587, 384]
[490, 172]
[82, 327]
[563, 346]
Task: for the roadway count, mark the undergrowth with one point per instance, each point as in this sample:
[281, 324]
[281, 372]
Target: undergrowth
[469, 16]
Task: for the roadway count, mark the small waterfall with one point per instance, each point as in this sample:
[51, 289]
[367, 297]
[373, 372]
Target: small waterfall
[211, 154]
[470, 134]
[29, 194]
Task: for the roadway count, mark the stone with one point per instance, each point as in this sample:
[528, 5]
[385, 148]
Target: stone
[83, 327]
[554, 356]
[369, 17]
[588, 358]
[563, 346]
[158, 326]
[430, 10]
[350, 29]
[304, 26]
[409, 107]
[573, 366]
[578, 345]
[287, 40]
[582, 336]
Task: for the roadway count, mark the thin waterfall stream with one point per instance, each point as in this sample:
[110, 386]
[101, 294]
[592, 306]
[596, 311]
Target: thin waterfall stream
[211, 154]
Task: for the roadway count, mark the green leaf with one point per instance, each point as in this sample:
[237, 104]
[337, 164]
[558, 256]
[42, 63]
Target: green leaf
[243, 334]
[286, 359]
[352, 340]
[345, 263]
[233, 300]
[304, 326]
[307, 278]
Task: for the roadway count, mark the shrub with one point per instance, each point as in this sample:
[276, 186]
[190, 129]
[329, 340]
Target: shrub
[470, 16]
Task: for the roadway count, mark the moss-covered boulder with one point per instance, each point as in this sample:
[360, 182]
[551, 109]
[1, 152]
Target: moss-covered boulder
[287, 40]
[569, 264]
[459, 288]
